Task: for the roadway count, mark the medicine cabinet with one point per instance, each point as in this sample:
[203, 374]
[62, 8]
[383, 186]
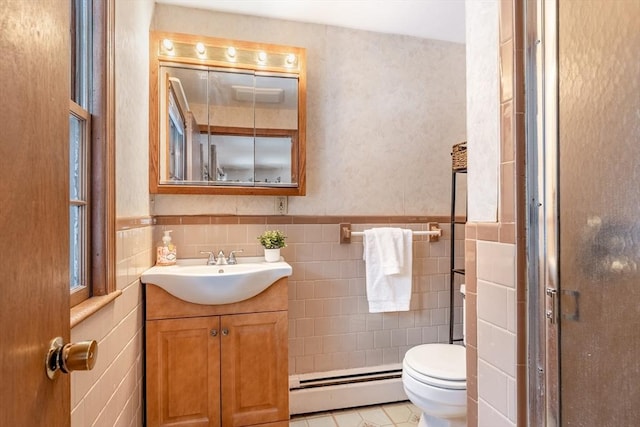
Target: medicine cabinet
[226, 116]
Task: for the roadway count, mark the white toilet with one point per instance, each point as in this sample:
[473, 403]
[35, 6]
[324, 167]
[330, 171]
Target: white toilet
[434, 377]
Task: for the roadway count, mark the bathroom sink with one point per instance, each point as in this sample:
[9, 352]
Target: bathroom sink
[193, 281]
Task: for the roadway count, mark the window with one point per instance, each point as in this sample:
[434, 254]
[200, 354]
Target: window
[91, 150]
[79, 238]
[79, 148]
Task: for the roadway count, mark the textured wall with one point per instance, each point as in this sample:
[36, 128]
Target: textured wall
[132, 107]
[482, 108]
[382, 114]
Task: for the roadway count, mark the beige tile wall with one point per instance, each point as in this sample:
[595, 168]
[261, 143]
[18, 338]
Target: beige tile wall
[329, 324]
[111, 394]
[491, 328]
[496, 333]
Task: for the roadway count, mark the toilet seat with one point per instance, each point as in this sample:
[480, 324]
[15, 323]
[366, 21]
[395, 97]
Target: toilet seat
[438, 365]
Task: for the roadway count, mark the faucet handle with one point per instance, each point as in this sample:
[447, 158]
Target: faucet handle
[212, 257]
[232, 256]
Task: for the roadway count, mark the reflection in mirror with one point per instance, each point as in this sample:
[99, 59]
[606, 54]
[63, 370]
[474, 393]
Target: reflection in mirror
[228, 129]
[180, 158]
[263, 159]
[177, 141]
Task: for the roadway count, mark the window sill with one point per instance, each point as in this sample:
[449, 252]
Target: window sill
[86, 308]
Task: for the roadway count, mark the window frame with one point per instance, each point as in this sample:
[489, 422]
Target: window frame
[101, 248]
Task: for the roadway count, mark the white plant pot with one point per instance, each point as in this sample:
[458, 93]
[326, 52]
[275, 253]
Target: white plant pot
[272, 255]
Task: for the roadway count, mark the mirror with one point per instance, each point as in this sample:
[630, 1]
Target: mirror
[226, 117]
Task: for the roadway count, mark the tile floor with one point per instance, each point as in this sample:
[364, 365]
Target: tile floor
[401, 414]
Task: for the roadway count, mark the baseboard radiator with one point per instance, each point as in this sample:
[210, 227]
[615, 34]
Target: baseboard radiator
[346, 388]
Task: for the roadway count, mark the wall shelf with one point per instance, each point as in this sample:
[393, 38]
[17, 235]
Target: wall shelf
[452, 270]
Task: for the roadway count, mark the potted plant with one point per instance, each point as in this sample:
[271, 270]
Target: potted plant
[272, 241]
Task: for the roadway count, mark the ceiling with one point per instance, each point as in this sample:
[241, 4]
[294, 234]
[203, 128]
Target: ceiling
[431, 19]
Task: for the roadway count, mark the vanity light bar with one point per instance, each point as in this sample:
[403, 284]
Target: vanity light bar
[228, 54]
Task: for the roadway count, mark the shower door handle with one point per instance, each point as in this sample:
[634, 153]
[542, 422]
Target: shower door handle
[569, 305]
[552, 311]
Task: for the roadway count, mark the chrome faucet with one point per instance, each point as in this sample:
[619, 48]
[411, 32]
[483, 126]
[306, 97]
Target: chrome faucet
[212, 257]
[232, 256]
[221, 259]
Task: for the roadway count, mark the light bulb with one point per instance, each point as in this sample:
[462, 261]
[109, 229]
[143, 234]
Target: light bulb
[291, 59]
[231, 51]
[200, 48]
[262, 56]
[168, 44]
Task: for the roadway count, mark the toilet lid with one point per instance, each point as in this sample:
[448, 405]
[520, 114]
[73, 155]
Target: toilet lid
[438, 364]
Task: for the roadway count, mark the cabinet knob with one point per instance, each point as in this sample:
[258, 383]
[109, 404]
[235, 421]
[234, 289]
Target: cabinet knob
[213, 332]
[225, 332]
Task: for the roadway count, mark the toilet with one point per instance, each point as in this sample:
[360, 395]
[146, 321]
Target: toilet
[434, 377]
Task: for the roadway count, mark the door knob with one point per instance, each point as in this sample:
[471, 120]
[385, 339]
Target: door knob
[69, 357]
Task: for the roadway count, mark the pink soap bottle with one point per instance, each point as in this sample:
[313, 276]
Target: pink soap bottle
[167, 253]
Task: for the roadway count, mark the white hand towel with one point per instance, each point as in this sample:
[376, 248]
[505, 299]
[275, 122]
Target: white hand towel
[388, 263]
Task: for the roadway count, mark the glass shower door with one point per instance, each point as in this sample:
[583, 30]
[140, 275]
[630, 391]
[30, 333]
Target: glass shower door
[599, 211]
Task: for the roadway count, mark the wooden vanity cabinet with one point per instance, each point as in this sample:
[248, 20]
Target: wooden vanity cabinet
[183, 372]
[220, 365]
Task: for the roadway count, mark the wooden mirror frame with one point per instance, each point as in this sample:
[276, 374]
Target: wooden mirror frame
[157, 54]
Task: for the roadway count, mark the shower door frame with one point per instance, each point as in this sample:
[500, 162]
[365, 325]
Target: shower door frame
[548, 318]
[541, 66]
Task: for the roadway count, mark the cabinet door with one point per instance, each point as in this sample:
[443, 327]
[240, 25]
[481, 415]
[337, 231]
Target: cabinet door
[183, 372]
[255, 384]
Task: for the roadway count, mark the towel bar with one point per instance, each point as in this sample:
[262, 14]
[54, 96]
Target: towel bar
[434, 232]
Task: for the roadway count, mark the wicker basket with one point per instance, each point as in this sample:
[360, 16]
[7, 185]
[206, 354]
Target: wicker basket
[459, 156]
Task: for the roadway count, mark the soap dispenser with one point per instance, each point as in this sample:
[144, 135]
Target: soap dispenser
[167, 253]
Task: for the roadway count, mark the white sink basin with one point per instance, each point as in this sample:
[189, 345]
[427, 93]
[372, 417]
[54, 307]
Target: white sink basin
[193, 281]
